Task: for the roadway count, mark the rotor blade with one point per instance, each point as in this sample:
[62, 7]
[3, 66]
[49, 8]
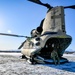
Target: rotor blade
[14, 35]
[21, 45]
[39, 2]
[72, 7]
[35, 1]
[7, 51]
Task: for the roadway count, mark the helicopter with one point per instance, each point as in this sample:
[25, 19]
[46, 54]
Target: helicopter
[48, 41]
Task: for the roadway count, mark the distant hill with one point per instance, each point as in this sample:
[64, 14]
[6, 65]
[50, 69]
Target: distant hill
[69, 51]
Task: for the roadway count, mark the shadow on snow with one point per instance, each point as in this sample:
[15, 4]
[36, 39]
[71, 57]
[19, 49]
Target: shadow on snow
[70, 66]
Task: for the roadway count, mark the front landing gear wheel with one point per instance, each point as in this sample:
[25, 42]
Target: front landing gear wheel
[32, 60]
[24, 57]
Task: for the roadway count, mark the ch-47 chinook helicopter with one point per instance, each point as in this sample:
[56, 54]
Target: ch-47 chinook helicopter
[48, 42]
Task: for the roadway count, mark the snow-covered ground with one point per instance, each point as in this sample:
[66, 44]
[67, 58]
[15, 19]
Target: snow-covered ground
[12, 64]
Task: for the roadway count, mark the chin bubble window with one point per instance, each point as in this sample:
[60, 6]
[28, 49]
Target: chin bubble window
[37, 44]
[37, 39]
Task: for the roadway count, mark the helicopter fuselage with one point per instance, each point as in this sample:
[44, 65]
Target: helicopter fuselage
[53, 33]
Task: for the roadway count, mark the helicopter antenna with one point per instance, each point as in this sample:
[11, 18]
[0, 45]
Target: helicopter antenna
[72, 7]
[39, 2]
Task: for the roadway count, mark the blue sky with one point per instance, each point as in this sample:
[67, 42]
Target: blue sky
[21, 16]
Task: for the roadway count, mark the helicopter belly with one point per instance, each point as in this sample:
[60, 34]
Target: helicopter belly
[30, 52]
